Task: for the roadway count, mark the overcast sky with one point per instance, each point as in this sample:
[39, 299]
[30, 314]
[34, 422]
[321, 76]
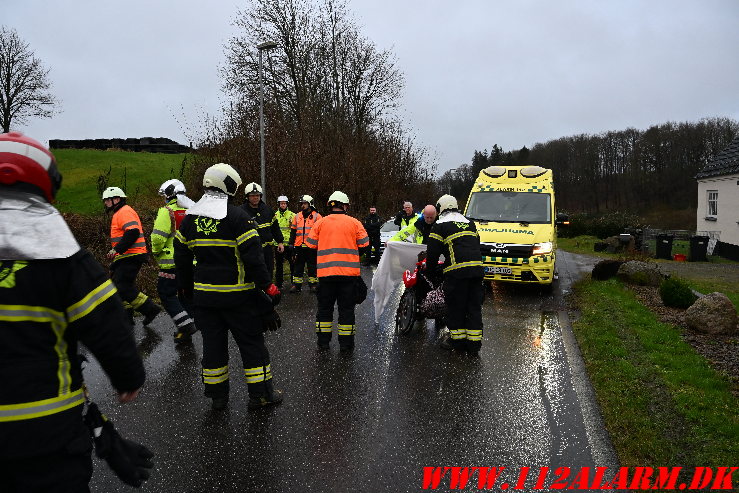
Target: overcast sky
[478, 72]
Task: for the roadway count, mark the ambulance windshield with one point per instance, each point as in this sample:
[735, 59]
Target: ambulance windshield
[510, 207]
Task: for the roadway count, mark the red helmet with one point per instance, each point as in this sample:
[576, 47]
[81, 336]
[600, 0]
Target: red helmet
[24, 160]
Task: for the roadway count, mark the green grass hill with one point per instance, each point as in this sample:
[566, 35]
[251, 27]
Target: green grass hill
[139, 174]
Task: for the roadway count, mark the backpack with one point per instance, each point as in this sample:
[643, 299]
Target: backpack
[176, 216]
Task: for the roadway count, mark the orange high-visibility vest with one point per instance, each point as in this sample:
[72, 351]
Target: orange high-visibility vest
[123, 219]
[303, 225]
[337, 238]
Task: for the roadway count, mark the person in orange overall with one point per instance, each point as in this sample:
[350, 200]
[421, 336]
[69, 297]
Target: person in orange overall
[338, 239]
[128, 253]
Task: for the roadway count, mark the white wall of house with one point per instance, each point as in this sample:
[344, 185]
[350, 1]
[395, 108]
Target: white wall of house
[727, 207]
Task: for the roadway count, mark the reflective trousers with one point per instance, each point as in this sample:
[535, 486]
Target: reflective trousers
[305, 256]
[215, 323]
[173, 302]
[463, 298]
[339, 291]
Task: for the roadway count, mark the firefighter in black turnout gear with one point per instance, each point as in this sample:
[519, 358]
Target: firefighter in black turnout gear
[53, 295]
[268, 228]
[231, 287]
[456, 237]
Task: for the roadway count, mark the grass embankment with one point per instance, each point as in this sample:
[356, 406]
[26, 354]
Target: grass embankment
[662, 403]
[138, 173]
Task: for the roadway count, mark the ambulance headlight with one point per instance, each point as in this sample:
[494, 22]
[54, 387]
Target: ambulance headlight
[542, 248]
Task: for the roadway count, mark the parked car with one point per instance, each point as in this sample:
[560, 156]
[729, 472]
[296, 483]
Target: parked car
[387, 231]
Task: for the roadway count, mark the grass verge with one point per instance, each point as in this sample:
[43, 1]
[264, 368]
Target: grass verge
[662, 404]
[139, 174]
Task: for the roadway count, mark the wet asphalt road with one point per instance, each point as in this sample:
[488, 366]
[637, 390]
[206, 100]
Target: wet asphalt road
[369, 422]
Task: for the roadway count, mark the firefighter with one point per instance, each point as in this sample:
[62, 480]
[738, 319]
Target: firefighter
[304, 256]
[128, 253]
[456, 237]
[338, 239]
[268, 228]
[166, 224]
[372, 224]
[53, 295]
[419, 230]
[229, 285]
[283, 217]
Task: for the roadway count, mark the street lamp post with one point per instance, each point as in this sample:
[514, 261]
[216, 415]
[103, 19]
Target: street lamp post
[267, 45]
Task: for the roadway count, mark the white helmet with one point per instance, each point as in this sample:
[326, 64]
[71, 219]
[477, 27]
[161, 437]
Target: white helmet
[111, 192]
[306, 198]
[223, 177]
[252, 188]
[338, 198]
[446, 203]
[282, 198]
[171, 188]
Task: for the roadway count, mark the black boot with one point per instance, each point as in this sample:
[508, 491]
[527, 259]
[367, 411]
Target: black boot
[149, 310]
[268, 398]
[184, 333]
[219, 403]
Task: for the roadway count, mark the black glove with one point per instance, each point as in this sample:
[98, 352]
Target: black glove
[272, 321]
[129, 460]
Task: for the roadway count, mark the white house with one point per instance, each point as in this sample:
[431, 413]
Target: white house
[718, 199]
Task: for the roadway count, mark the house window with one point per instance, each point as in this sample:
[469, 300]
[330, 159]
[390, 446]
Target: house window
[712, 203]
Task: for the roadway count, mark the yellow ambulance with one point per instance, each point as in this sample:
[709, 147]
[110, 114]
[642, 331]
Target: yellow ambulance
[513, 209]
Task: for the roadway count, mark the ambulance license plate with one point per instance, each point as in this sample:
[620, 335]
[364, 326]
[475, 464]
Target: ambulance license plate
[498, 270]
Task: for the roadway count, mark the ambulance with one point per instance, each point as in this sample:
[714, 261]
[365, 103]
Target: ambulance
[513, 209]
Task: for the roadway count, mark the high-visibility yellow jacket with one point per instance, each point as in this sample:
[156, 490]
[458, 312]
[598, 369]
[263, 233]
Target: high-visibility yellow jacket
[162, 236]
[338, 238]
[284, 219]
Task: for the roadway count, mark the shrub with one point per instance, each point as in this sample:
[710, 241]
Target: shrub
[676, 293]
[600, 225]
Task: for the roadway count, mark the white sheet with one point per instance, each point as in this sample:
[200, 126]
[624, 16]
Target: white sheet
[398, 257]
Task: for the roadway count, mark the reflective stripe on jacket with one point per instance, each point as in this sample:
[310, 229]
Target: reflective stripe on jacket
[162, 236]
[460, 244]
[230, 258]
[47, 307]
[338, 237]
[123, 219]
[302, 226]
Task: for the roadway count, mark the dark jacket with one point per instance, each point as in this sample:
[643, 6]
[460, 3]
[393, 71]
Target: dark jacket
[267, 226]
[460, 244]
[230, 260]
[372, 224]
[46, 308]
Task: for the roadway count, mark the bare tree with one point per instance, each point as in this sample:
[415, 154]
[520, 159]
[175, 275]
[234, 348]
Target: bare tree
[24, 82]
